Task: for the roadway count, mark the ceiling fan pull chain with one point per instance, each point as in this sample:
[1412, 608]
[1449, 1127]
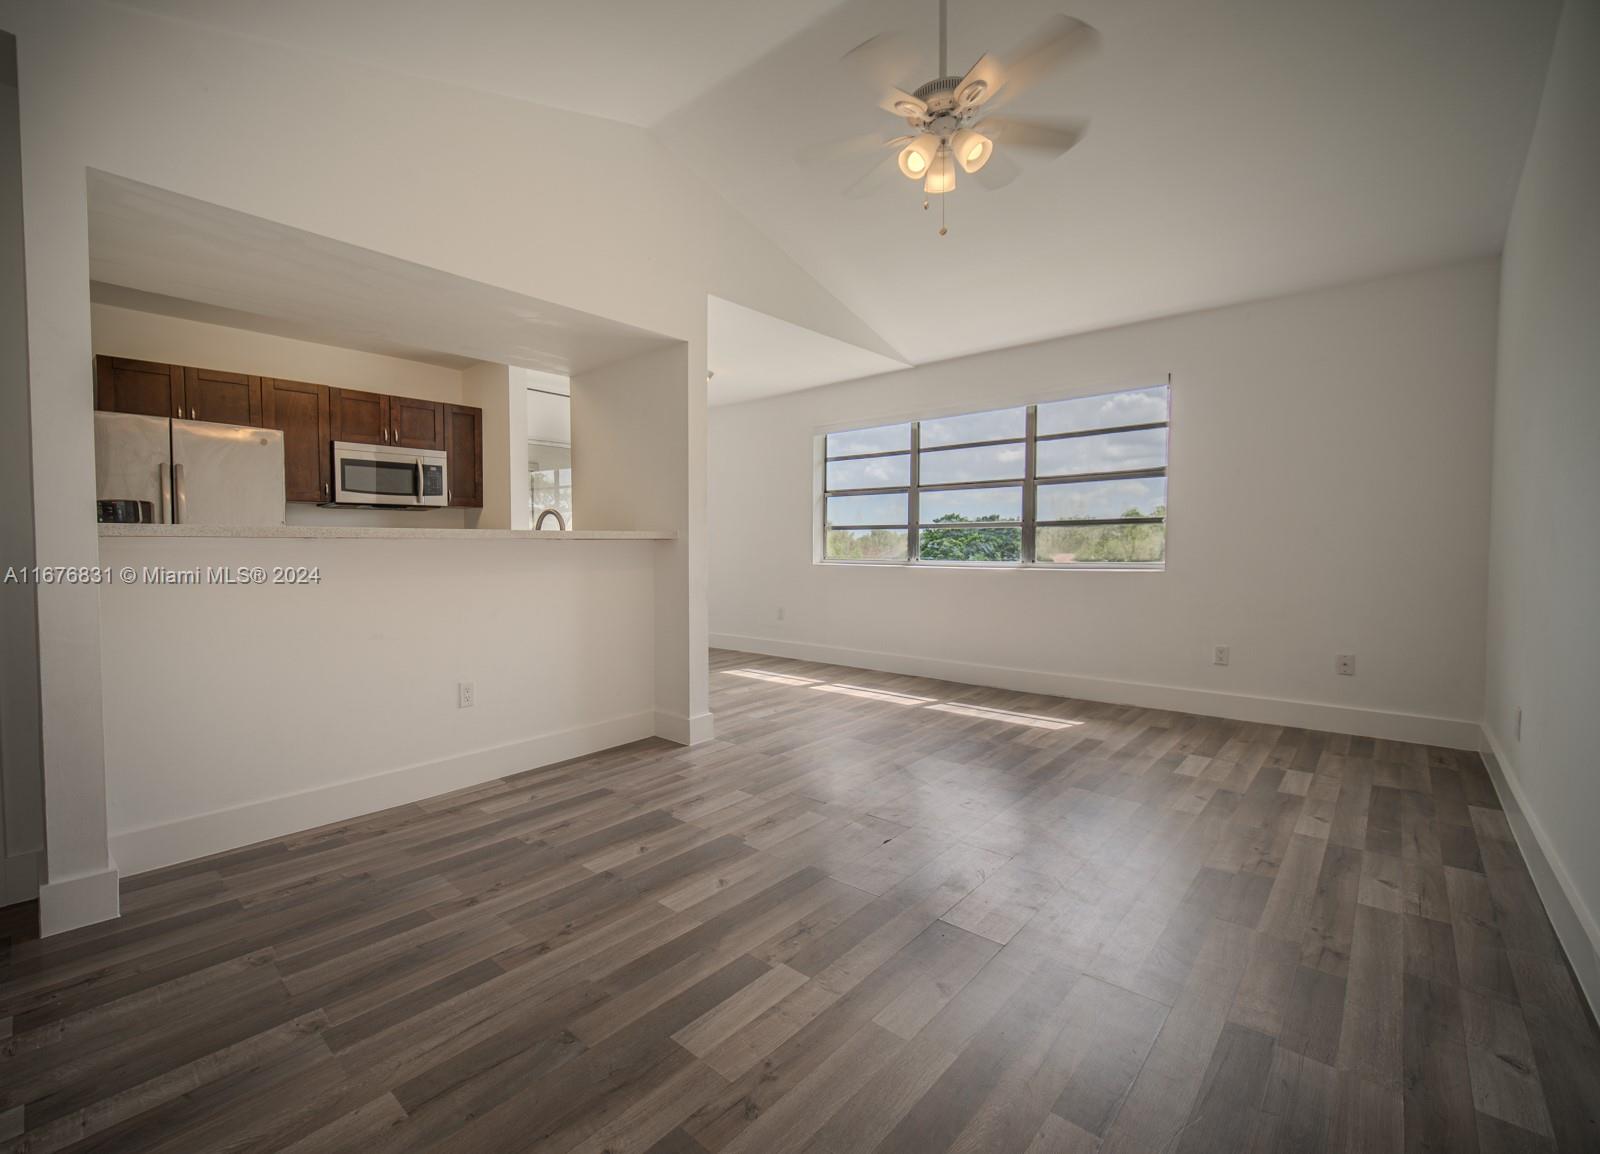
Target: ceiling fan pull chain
[946, 196]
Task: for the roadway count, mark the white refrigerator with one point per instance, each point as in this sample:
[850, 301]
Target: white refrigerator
[192, 472]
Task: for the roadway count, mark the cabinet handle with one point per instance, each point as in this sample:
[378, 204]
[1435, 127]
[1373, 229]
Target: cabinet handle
[191, 412]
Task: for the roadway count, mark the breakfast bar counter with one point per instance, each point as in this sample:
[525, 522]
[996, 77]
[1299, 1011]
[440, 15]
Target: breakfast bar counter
[341, 532]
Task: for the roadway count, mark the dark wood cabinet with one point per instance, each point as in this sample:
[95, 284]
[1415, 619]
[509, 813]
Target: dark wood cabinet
[228, 398]
[300, 409]
[463, 441]
[360, 417]
[415, 424]
[311, 417]
[127, 386]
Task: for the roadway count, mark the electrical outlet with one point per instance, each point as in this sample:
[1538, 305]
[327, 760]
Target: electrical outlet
[1344, 664]
[1519, 723]
[465, 696]
[1219, 655]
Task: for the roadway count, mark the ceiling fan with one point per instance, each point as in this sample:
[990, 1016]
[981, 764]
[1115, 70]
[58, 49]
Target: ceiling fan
[951, 116]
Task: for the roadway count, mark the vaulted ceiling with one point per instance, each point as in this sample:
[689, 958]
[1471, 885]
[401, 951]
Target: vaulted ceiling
[1237, 148]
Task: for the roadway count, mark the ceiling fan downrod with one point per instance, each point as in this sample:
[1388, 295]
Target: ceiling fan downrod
[944, 38]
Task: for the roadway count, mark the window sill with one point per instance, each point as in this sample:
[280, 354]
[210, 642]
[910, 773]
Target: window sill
[1036, 566]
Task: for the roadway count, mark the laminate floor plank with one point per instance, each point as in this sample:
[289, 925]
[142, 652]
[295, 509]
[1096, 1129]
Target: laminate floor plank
[877, 912]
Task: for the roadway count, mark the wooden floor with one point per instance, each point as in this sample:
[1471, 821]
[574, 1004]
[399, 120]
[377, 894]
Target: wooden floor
[877, 914]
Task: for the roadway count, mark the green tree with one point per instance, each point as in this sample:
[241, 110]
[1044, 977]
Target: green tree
[952, 539]
[1104, 543]
[969, 541]
[866, 545]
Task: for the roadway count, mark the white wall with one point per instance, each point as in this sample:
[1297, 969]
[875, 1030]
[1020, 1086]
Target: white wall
[235, 713]
[1544, 569]
[21, 768]
[124, 332]
[1329, 477]
[638, 447]
[492, 388]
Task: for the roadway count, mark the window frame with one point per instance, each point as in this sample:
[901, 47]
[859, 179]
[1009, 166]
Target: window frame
[1029, 483]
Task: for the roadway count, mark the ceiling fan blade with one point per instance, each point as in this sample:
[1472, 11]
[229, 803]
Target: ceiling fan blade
[1047, 136]
[987, 72]
[831, 150]
[902, 104]
[1062, 38]
[874, 178]
[999, 172]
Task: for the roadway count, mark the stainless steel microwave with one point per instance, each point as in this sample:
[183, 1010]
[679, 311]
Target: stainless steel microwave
[387, 475]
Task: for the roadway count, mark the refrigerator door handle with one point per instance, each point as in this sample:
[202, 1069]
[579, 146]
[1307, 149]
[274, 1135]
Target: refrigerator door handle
[166, 495]
[181, 509]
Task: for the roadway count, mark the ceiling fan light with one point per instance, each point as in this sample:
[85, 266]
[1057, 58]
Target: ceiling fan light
[972, 149]
[941, 177]
[917, 157]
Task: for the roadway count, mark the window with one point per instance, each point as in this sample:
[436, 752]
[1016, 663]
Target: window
[1076, 482]
[550, 479]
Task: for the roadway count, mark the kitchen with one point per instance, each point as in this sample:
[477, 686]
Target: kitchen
[317, 491]
[176, 444]
[181, 444]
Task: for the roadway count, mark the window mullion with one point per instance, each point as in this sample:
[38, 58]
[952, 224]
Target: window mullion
[913, 533]
[1030, 488]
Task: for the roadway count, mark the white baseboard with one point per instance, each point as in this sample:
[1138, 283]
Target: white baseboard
[1574, 922]
[77, 901]
[186, 838]
[683, 730]
[1447, 732]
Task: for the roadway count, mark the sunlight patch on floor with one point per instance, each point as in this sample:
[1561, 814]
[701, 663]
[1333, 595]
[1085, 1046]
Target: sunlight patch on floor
[780, 678]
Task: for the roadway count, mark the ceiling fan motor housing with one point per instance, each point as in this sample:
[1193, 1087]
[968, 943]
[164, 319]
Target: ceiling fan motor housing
[939, 92]
[944, 117]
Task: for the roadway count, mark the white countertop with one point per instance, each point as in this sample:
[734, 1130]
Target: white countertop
[340, 532]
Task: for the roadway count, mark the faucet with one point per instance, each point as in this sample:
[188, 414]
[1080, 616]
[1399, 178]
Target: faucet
[551, 511]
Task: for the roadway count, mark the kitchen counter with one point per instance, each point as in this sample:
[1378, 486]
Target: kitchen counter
[340, 532]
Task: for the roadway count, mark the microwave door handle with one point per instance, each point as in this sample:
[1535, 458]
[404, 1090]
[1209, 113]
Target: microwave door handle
[165, 514]
[421, 485]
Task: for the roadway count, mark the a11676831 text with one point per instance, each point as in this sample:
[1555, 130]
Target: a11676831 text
[161, 575]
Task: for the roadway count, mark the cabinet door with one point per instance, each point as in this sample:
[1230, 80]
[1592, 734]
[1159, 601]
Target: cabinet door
[463, 441]
[229, 398]
[301, 411]
[145, 387]
[416, 424]
[359, 417]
